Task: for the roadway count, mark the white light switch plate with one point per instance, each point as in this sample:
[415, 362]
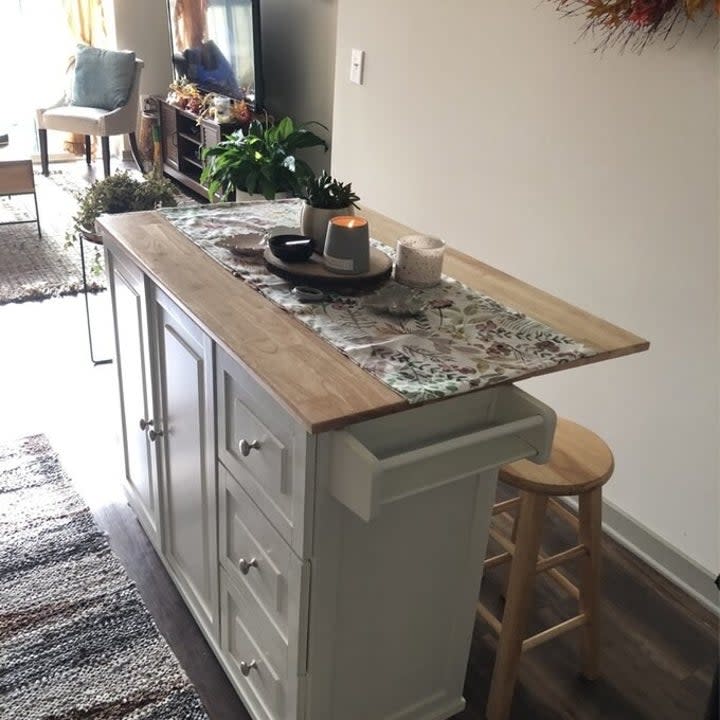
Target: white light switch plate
[357, 64]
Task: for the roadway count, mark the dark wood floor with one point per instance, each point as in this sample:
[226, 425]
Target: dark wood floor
[659, 646]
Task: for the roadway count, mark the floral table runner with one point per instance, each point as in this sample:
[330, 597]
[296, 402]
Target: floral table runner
[462, 341]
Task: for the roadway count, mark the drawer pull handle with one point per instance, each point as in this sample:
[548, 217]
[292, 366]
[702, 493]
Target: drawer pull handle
[245, 668]
[246, 447]
[145, 424]
[155, 434]
[245, 565]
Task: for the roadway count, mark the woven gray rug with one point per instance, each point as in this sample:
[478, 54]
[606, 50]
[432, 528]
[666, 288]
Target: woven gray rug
[33, 268]
[76, 640]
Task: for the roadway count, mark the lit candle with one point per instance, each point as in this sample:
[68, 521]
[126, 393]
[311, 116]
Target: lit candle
[348, 221]
[347, 245]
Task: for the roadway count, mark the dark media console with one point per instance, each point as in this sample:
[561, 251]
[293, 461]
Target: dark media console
[182, 139]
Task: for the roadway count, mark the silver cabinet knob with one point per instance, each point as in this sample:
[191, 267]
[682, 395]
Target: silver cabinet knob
[246, 447]
[245, 667]
[145, 424]
[155, 434]
[245, 565]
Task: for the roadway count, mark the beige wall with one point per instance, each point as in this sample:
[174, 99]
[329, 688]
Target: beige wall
[592, 176]
[299, 61]
[142, 26]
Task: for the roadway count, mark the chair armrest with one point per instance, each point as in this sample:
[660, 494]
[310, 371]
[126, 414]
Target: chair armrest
[41, 111]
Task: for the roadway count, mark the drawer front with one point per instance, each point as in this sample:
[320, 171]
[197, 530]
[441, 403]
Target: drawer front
[266, 452]
[254, 554]
[386, 460]
[261, 664]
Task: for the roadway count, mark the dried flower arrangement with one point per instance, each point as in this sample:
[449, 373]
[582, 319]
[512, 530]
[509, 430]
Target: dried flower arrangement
[635, 23]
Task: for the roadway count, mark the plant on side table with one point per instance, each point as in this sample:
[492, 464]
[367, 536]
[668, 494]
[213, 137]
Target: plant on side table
[325, 198]
[262, 161]
[117, 193]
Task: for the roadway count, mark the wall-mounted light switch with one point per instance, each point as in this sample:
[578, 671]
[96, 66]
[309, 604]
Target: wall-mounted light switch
[357, 64]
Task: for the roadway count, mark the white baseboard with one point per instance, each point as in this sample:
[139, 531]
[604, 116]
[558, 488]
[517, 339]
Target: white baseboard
[670, 562]
[677, 567]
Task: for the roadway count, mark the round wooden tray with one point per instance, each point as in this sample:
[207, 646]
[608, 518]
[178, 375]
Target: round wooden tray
[314, 273]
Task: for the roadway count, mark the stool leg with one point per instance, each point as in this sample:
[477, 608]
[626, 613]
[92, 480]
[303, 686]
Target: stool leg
[590, 514]
[517, 605]
[513, 538]
[88, 149]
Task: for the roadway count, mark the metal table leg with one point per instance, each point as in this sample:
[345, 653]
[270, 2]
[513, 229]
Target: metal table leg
[87, 304]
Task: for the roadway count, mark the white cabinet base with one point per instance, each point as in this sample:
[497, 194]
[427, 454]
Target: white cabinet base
[340, 578]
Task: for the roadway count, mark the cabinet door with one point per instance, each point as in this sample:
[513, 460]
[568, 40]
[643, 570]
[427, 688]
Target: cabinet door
[168, 130]
[127, 286]
[187, 404]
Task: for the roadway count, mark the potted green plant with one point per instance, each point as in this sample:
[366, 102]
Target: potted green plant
[325, 198]
[117, 193]
[260, 161]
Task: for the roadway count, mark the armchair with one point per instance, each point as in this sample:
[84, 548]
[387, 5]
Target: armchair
[91, 121]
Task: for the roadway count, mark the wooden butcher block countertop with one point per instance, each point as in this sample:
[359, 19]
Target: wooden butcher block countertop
[314, 381]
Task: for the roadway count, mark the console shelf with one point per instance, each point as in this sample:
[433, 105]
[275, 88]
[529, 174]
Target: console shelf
[183, 137]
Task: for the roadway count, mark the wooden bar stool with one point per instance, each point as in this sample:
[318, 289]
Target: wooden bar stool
[580, 464]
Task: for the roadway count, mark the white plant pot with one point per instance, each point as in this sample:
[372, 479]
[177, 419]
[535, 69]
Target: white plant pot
[242, 196]
[314, 222]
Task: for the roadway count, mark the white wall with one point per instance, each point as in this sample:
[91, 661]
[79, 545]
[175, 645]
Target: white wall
[299, 62]
[592, 176]
[142, 26]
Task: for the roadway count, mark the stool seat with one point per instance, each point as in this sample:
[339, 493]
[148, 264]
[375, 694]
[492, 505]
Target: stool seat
[580, 461]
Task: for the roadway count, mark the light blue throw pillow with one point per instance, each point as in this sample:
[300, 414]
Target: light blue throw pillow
[103, 78]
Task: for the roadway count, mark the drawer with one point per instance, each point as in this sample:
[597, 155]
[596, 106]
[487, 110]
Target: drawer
[263, 666]
[266, 452]
[254, 555]
[381, 461]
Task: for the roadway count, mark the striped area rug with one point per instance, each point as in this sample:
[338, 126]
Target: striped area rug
[76, 640]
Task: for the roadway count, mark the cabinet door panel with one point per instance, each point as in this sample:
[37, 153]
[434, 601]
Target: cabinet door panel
[189, 508]
[128, 293]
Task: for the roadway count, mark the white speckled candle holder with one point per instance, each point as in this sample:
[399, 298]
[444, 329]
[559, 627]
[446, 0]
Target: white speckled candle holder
[419, 260]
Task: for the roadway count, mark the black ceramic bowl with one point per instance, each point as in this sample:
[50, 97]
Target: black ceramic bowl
[291, 248]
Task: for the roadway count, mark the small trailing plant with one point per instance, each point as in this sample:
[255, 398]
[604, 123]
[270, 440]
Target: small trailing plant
[117, 193]
[262, 160]
[328, 193]
[120, 193]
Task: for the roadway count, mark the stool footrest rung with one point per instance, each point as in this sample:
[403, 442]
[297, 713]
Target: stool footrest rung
[507, 545]
[560, 580]
[546, 563]
[489, 618]
[497, 560]
[561, 510]
[554, 631]
[504, 506]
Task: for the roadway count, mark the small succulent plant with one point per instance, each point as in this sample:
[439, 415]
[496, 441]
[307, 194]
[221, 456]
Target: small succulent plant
[328, 193]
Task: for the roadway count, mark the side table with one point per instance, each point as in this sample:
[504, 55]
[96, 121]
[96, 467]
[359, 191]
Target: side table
[16, 178]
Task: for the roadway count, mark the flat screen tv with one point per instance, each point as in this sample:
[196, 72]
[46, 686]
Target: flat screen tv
[216, 44]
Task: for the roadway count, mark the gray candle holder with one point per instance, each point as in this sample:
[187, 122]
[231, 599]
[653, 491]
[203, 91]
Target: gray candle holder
[347, 245]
